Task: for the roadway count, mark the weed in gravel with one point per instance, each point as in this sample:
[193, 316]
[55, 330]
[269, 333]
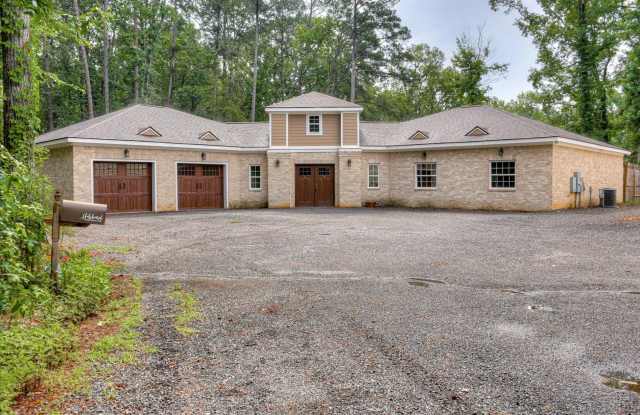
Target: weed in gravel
[271, 309]
[110, 249]
[188, 310]
[621, 380]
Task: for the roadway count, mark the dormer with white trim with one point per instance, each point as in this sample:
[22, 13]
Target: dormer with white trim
[314, 120]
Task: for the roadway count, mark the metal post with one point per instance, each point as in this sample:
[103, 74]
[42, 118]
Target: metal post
[625, 180]
[55, 239]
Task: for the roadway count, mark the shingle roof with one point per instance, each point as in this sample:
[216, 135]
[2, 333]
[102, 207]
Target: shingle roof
[314, 100]
[452, 126]
[179, 127]
[174, 126]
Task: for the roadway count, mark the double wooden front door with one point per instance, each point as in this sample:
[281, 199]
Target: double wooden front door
[122, 186]
[200, 186]
[315, 185]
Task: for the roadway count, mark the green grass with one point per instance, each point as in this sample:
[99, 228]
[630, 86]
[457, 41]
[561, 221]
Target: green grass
[124, 347]
[67, 369]
[110, 249]
[188, 310]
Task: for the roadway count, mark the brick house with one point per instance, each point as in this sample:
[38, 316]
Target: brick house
[315, 151]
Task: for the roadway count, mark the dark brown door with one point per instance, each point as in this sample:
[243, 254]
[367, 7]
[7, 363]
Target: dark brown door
[315, 185]
[200, 186]
[123, 187]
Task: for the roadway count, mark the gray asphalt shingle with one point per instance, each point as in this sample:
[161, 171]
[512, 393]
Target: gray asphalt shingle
[179, 127]
[174, 126]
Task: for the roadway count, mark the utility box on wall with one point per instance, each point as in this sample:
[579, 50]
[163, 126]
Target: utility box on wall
[576, 183]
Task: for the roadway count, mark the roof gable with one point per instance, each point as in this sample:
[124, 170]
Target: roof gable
[149, 132]
[419, 135]
[477, 131]
[208, 136]
[314, 100]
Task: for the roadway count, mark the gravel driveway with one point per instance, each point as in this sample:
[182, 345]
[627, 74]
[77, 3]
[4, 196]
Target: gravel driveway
[385, 311]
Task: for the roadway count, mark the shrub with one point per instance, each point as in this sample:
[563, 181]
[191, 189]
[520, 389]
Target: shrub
[23, 200]
[85, 283]
[26, 352]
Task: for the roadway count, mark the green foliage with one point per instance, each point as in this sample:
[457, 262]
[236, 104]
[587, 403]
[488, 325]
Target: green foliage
[471, 62]
[85, 283]
[577, 41]
[26, 352]
[23, 206]
[29, 347]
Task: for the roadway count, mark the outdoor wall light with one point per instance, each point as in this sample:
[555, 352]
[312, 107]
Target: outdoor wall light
[424, 155]
[349, 163]
[278, 163]
[203, 156]
[126, 153]
[500, 152]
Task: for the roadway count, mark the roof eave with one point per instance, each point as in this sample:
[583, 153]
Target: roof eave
[68, 141]
[313, 109]
[494, 143]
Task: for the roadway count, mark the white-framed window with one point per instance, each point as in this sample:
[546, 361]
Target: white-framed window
[314, 124]
[374, 176]
[255, 178]
[503, 174]
[426, 175]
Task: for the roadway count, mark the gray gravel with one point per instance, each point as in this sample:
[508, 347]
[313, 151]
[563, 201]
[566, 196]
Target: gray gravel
[385, 311]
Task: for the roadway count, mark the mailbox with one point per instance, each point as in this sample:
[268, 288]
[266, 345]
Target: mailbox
[82, 214]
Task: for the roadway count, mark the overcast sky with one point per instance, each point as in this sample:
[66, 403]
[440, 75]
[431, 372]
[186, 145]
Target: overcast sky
[439, 22]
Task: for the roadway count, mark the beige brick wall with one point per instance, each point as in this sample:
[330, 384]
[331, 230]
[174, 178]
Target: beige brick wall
[463, 179]
[463, 176]
[280, 171]
[383, 192]
[349, 180]
[239, 193]
[598, 169]
[59, 168]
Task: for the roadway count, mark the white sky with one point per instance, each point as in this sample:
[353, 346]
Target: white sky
[439, 22]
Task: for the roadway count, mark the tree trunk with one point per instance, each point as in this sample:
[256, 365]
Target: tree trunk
[255, 63]
[47, 88]
[136, 66]
[354, 39]
[85, 65]
[585, 72]
[105, 63]
[172, 55]
[19, 117]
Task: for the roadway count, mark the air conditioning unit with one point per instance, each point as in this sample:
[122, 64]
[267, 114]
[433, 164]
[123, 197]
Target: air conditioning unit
[607, 198]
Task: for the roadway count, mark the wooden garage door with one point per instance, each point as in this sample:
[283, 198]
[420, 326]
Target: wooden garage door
[200, 186]
[314, 185]
[123, 187]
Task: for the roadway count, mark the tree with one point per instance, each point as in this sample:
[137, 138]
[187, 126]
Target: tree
[85, 65]
[576, 40]
[631, 85]
[255, 62]
[172, 56]
[20, 109]
[377, 35]
[472, 66]
[105, 61]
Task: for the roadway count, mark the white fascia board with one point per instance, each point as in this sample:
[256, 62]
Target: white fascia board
[309, 149]
[562, 140]
[145, 144]
[495, 143]
[313, 109]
